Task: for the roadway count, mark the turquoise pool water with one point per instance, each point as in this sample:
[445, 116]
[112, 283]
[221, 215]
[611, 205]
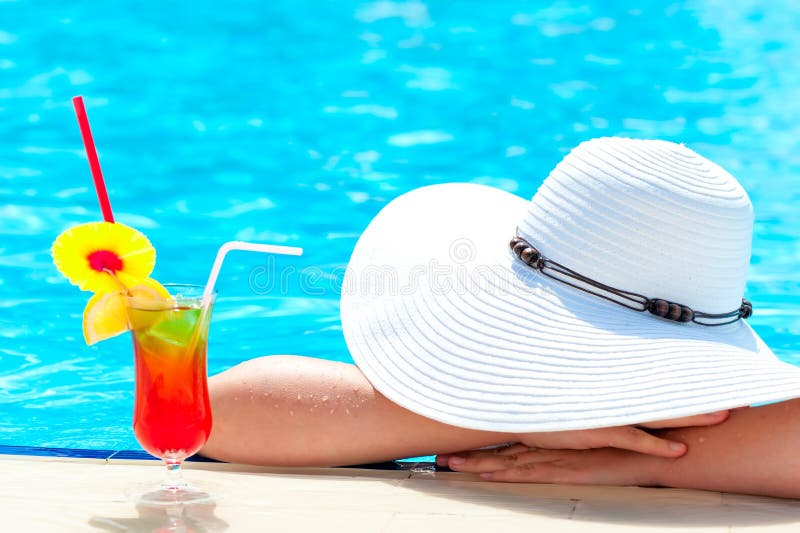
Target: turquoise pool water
[294, 121]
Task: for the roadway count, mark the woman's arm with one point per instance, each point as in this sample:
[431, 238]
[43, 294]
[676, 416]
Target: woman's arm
[299, 411]
[753, 452]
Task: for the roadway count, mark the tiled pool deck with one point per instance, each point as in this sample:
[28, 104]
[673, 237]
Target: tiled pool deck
[56, 493]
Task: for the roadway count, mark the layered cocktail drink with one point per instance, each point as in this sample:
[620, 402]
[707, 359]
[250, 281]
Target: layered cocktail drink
[172, 415]
[172, 412]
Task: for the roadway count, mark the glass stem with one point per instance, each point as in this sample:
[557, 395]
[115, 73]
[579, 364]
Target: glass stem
[174, 479]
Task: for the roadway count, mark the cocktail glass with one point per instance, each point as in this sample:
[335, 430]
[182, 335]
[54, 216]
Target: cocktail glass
[172, 412]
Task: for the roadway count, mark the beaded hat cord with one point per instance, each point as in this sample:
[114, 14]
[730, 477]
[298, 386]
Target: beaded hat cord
[675, 312]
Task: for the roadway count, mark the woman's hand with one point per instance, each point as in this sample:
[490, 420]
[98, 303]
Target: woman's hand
[753, 452]
[633, 438]
[602, 466]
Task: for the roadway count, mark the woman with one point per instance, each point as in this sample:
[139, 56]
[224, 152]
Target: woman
[611, 300]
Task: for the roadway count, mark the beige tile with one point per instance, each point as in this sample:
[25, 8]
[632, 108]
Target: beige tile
[247, 518]
[51, 480]
[75, 495]
[49, 459]
[421, 522]
[632, 509]
[454, 496]
[768, 527]
[123, 517]
[31, 518]
[755, 513]
[313, 521]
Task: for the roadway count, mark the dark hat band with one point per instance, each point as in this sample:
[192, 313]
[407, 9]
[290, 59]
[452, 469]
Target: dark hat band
[531, 256]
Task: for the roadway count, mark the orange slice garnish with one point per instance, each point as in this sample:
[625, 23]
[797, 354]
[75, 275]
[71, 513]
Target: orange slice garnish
[106, 314]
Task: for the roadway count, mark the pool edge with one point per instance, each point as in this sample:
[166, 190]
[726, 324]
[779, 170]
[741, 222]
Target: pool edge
[140, 455]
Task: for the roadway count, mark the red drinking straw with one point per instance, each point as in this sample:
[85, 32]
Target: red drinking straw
[94, 162]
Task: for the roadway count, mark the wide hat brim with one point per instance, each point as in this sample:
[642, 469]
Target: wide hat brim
[444, 321]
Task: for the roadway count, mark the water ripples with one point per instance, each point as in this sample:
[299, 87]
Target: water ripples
[294, 122]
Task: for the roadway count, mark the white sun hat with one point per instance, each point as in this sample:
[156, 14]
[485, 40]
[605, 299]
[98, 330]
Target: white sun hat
[447, 320]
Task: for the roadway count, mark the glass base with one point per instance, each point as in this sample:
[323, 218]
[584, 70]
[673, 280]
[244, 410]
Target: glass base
[168, 495]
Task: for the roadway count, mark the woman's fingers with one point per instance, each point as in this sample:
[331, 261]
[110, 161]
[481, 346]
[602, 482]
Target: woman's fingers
[624, 437]
[708, 419]
[637, 440]
[444, 459]
[486, 461]
[531, 473]
[513, 449]
[604, 466]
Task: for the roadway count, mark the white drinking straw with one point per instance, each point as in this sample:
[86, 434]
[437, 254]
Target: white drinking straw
[247, 247]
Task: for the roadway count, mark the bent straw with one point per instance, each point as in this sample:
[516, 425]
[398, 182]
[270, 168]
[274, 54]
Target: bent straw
[212, 277]
[94, 162]
[247, 247]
